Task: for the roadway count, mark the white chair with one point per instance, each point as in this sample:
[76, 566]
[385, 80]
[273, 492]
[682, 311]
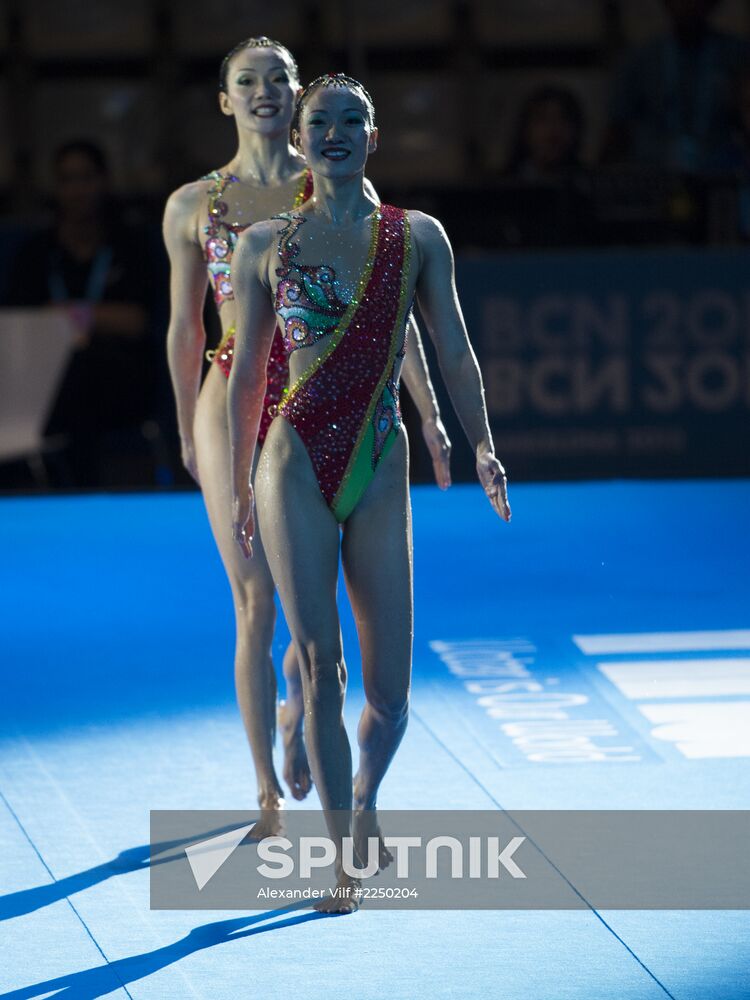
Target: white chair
[35, 345]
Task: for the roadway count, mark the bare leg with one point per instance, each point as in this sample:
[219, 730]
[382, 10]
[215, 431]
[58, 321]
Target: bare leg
[302, 540]
[377, 556]
[291, 721]
[252, 593]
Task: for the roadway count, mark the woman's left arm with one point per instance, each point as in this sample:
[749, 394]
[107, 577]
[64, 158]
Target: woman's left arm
[256, 322]
[438, 302]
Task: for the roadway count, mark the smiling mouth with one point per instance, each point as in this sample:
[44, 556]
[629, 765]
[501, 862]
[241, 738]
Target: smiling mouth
[335, 153]
[266, 111]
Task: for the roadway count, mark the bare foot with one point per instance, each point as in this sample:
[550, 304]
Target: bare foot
[345, 897]
[271, 821]
[365, 825]
[296, 768]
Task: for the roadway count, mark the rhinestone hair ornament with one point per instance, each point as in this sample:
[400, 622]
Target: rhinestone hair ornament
[261, 42]
[338, 81]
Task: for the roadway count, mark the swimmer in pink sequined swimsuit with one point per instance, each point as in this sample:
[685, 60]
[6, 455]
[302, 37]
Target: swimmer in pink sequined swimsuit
[258, 81]
[221, 240]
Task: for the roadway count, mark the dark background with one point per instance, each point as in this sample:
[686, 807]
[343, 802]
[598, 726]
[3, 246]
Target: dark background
[650, 239]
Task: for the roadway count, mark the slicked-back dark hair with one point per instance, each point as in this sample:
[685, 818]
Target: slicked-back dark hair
[340, 80]
[258, 42]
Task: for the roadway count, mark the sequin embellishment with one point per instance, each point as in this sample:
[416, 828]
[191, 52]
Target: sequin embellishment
[218, 249]
[277, 374]
[345, 405]
[222, 235]
[221, 238]
[306, 297]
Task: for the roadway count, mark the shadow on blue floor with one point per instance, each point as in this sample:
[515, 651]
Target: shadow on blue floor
[16, 904]
[98, 981]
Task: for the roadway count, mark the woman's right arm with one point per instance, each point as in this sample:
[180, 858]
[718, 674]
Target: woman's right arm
[186, 335]
[256, 323]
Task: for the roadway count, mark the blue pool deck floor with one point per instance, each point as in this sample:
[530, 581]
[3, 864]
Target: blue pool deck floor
[624, 607]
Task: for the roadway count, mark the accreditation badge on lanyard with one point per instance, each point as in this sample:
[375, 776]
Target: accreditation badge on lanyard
[95, 282]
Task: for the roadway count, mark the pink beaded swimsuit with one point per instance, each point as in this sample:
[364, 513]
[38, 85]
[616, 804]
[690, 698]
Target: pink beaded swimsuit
[345, 405]
[221, 240]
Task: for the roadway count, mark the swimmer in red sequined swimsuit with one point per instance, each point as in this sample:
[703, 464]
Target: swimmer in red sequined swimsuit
[332, 480]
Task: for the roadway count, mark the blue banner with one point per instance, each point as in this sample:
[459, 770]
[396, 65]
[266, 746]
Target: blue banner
[614, 363]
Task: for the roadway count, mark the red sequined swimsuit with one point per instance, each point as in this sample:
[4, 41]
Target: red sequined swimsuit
[221, 240]
[345, 406]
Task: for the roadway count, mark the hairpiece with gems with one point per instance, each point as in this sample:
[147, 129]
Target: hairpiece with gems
[336, 80]
[261, 42]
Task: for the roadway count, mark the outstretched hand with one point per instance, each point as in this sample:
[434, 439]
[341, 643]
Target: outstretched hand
[243, 521]
[439, 445]
[495, 483]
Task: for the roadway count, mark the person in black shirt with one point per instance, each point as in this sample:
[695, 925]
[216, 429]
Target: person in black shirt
[96, 269]
[549, 133]
[545, 198]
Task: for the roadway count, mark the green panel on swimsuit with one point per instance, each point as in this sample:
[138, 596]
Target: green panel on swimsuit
[361, 473]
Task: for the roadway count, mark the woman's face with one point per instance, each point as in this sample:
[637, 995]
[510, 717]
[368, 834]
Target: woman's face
[261, 90]
[550, 135]
[335, 132]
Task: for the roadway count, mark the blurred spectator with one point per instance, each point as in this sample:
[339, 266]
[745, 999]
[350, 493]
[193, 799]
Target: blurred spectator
[548, 137]
[733, 156]
[96, 268]
[671, 103]
[545, 200]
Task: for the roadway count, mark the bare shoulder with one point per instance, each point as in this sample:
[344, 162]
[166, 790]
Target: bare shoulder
[184, 207]
[426, 228]
[189, 199]
[429, 235]
[256, 239]
[252, 254]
